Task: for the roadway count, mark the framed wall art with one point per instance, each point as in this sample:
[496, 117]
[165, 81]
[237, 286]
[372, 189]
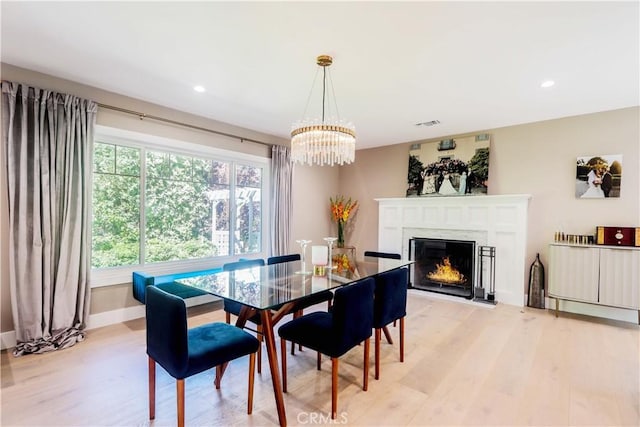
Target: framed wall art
[598, 177]
[451, 167]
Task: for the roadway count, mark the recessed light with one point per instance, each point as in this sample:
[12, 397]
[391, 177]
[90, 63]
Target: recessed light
[199, 89]
[547, 83]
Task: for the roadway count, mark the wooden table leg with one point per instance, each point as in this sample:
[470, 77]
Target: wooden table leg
[387, 334]
[269, 338]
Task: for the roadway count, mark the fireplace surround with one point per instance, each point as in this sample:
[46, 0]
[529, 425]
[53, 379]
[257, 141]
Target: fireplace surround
[494, 220]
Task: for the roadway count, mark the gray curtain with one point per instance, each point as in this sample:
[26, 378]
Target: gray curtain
[281, 182]
[47, 140]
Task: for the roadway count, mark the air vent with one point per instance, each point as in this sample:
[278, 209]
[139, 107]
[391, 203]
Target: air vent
[431, 123]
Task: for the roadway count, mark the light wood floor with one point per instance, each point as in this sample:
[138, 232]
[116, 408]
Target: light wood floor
[464, 365]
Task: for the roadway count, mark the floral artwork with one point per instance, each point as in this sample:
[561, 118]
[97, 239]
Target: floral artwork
[598, 177]
[341, 211]
[455, 169]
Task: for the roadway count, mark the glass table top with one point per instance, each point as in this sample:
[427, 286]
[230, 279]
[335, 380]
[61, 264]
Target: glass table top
[271, 285]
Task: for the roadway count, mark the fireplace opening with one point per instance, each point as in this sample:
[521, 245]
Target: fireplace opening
[443, 266]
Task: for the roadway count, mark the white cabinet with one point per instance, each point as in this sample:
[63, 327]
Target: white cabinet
[620, 278]
[601, 275]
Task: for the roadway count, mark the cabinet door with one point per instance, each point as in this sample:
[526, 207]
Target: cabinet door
[574, 273]
[620, 278]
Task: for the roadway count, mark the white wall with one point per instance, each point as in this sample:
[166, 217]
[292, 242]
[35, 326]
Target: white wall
[535, 158]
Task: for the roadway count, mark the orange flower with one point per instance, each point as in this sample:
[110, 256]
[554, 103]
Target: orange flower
[342, 210]
[342, 263]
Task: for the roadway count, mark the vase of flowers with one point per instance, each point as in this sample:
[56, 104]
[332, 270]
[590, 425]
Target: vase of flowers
[341, 211]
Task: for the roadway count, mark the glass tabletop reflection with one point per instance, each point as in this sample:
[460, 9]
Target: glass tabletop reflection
[272, 285]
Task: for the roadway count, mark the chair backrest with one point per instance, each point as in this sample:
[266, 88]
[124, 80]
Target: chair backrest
[390, 301]
[382, 255]
[283, 258]
[246, 263]
[353, 314]
[167, 336]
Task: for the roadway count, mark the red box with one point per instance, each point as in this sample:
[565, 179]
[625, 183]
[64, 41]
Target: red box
[618, 236]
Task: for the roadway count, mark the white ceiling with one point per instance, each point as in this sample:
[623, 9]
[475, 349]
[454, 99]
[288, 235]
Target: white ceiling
[470, 65]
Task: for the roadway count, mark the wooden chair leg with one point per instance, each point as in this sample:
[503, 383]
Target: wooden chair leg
[334, 387]
[218, 378]
[283, 350]
[376, 345]
[252, 369]
[365, 381]
[402, 339]
[180, 395]
[296, 314]
[319, 361]
[227, 317]
[152, 389]
[260, 338]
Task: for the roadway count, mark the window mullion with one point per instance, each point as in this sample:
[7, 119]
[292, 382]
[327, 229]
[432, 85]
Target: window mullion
[143, 186]
[232, 208]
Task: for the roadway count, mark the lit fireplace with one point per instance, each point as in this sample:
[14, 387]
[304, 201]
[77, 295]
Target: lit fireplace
[446, 273]
[443, 266]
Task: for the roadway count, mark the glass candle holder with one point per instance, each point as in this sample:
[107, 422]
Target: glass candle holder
[330, 241]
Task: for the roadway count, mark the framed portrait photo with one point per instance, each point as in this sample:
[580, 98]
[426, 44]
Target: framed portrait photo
[598, 177]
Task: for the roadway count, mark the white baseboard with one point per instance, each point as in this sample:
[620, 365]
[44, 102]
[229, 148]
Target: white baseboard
[115, 316]
[7, 340]
[98, 320]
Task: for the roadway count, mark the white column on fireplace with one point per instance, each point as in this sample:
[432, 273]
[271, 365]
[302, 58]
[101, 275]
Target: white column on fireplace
[499, 221]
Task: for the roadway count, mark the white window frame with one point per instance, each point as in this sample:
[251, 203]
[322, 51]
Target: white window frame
[120, 275]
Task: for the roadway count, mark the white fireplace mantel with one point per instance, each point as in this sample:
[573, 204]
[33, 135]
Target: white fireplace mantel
[499, 221]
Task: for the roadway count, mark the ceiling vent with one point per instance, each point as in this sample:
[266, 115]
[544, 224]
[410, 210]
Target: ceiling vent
[431, 123]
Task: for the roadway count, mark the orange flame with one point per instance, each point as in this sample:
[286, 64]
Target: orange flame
[446, 273]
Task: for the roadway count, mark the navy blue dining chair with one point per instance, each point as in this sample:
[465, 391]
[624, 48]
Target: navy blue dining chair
[389, 305]
[388, 255]
[233, 307]
[334, 333]
[382, 255]
[304, 302]
[184, 352]
[279, 259]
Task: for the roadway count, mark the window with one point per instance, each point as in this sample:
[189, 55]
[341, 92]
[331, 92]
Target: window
[153, 206]
[116, 206]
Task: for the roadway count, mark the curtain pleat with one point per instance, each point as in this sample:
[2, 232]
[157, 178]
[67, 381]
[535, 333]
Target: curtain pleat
[48, 143]
[281, 183]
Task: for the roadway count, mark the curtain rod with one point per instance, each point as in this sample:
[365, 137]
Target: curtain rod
[143, 116]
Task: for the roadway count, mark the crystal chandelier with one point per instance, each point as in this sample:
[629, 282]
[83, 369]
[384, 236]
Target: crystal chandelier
[325, 141]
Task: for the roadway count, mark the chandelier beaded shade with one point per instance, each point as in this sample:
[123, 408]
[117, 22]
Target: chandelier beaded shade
[324, 141]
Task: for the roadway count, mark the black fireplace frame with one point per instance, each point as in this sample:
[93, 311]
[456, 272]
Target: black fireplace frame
[446, 290]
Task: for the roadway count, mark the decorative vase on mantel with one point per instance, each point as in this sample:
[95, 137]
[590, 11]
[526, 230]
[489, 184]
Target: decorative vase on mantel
[340, 241]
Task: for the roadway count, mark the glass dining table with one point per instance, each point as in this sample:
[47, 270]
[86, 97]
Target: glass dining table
[272, 292]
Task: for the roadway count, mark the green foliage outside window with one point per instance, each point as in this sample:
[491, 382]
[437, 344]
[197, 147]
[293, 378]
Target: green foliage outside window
[186, 207]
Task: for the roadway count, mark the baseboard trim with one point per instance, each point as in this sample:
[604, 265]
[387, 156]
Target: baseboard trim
[98, 320]
[7, 340]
